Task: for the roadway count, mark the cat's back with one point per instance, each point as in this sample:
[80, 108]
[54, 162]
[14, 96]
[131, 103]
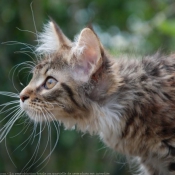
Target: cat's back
[148, 95]
[148, 99]
[150, 74]
[146, 68]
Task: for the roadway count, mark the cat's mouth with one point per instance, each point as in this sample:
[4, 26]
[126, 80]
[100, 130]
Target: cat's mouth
[37, 111]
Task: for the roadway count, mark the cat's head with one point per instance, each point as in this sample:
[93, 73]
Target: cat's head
[69, 78]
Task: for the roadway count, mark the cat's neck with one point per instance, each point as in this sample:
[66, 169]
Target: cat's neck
[104, 83]
[105, 113]
[105, 117]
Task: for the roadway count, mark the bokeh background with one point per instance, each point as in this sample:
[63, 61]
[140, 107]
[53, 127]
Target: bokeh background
[132, 27]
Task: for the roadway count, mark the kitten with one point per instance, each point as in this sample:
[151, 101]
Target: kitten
[129, 103]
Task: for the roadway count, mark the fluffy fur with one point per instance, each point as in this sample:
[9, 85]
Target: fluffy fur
[129, 103]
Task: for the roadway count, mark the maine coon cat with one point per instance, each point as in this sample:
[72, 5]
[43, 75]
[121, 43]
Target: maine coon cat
[129, 103]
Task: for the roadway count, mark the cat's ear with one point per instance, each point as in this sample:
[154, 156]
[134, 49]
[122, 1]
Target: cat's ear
[88, 54]
[51, 39]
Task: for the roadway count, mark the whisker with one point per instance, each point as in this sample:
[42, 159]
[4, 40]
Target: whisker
[4, 106]
[49, 138]
[9, 113]
[29, 46]
[28, 139]
[23, 69]
[27, 64]
[22, 30]
[26, 53]
[41, 131]
[27, 126]
[35, 127]
[7, 127]
[9, 103]
[32, 157]
[36, 150]
[15, 68]
[57, 131]
[33, 17]
[10, 94]
[9, 154]
[26, 67]
[16, 112]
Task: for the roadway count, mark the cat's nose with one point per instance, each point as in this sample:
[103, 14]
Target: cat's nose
[26, 93]
[23, 97]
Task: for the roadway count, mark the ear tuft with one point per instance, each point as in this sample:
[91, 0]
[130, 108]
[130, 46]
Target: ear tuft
[51, 39]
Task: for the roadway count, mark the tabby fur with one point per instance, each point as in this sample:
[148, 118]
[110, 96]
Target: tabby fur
[129, 103]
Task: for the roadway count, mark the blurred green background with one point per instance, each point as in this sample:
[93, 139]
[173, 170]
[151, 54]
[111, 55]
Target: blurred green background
[132, 27]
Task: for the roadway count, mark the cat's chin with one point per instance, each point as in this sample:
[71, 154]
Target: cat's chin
[35, 114]
[35, 118]
[39, 116]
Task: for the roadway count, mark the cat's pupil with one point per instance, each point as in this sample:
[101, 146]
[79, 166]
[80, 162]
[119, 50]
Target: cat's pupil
[50, 81]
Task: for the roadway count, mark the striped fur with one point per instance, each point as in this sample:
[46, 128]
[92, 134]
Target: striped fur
[129, 103]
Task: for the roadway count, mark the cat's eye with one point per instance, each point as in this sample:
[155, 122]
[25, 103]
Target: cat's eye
[50, 83]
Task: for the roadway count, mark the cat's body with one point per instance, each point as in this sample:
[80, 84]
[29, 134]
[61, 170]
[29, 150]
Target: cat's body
[129, 103]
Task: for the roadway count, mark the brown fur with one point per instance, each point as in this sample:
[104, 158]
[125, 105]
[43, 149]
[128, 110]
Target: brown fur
[129, 103]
